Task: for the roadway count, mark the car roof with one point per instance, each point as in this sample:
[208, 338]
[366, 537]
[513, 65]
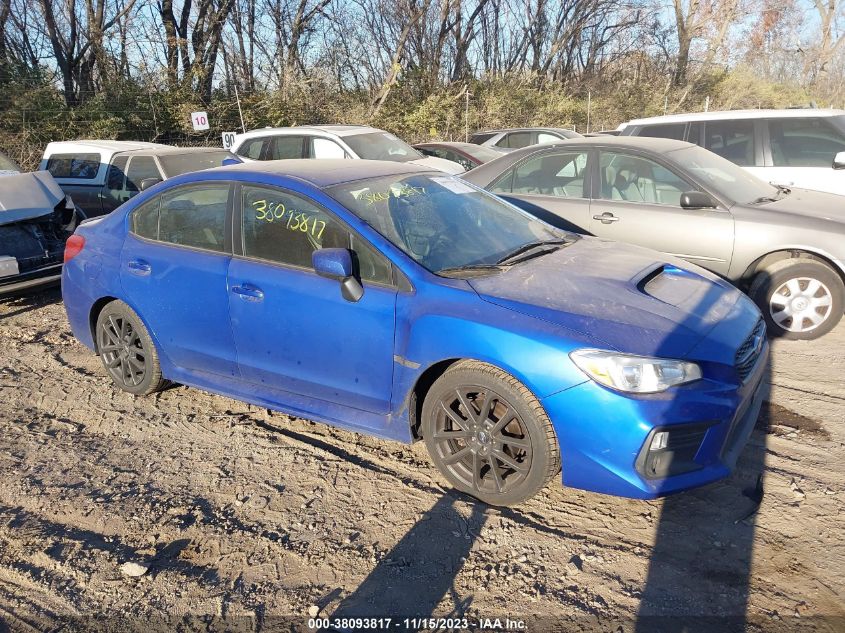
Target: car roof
[726, 115]
[326, 172]
[176, 151]
[58, 147]
[456, 144]
[523, 129]
[334, 129]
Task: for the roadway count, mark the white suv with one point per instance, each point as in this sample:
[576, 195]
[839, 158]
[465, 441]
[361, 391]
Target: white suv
[333, 141]
[802, 148]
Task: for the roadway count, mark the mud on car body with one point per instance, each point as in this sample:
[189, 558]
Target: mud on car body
[404, 303]
[36, 219]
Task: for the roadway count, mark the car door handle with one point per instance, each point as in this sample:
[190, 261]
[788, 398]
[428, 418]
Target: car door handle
[248, 292]
[606, 218]
[139, 267]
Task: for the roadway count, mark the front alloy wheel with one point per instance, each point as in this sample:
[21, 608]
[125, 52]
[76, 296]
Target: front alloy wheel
[488, 434]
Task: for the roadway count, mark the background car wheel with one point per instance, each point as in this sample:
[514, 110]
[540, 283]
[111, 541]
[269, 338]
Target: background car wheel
[801, 299]
[127, 351]
[489, 435]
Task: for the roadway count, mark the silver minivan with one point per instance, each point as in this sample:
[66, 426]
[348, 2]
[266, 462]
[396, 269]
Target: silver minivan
[802, 147]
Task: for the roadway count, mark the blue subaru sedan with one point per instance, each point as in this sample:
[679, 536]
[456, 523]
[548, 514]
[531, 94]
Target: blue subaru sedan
[410, 305]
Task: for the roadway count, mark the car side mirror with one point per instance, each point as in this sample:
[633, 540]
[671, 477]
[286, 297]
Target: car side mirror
[336, 263]
[839, 161]
[697, 200]
[146, 183]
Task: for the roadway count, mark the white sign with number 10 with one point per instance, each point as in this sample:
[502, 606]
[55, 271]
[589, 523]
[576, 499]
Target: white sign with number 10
[200, 120]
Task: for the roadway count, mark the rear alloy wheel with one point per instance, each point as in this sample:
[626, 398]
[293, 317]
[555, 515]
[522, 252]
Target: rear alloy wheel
[489, 435]
[801, 299]
[127, 351]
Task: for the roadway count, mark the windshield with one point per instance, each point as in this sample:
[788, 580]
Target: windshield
[381, 146]
[442, 222]
[722, 175]
[177, 164]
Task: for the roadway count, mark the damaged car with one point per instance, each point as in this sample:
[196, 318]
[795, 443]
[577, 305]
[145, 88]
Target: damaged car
[36, 219]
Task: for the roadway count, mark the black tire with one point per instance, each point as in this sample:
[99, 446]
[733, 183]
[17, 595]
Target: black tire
[801, 299]
[127, 351]
[489, 435]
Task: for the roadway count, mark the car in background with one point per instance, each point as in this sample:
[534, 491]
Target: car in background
[801, 147]
[401, 302]
[333, 141]
[8, 167]
[784, 246]
[467, 155]
[519, 137]
[36, 218]
[102, 175]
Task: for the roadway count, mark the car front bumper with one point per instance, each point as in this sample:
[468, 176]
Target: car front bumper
[604, 435]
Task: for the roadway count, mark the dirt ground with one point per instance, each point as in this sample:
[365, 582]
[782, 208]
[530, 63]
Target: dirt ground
[249, 520]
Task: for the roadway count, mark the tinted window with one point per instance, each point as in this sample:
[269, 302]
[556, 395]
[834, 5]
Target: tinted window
[325, 148]
[372, 266]
[515, 140]
[550, 175]
[251, 148]
[668, 130]
[7, 164]
[285, 147]
[145, 219]
[117, 173]
[177, 164]
[463, 161]
[480, 137]
[804, 142]
[733, 140]
[482, 153]
[83, 166]
[140, 168]
[638, 179]
[281, 227]
[195, 215]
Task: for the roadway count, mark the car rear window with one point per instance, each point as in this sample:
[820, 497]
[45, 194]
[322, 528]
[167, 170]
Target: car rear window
[83, 166]
[7, 164]
[481, 137]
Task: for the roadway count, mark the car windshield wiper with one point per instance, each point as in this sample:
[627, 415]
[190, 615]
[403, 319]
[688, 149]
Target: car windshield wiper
[470, 268]
[763, 199]
[532, 249]
[783, 191]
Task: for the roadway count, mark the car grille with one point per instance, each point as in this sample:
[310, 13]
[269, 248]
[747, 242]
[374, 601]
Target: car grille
[750, 350]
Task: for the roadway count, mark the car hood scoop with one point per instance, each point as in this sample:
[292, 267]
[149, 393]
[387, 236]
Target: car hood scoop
[615, 295]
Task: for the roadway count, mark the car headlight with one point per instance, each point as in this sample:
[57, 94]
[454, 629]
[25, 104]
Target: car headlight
[634, 374]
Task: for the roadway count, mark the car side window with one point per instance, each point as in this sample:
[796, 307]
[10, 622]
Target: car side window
[804, 143]
[515, 140]
[282, 227]
[733, 140]
[666, 130]
[195, 215]
[637, 179]
[83, 166]
[251, 148]
[285, 147]
[144, 219]
[452, 155]
[326, 148]
[116, 178]
[140, 168]
[546, 137]
[558, 174]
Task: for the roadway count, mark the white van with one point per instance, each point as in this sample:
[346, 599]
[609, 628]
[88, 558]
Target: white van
[802, 147]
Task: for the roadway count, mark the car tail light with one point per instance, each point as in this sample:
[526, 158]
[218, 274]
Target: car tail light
[73, 246]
